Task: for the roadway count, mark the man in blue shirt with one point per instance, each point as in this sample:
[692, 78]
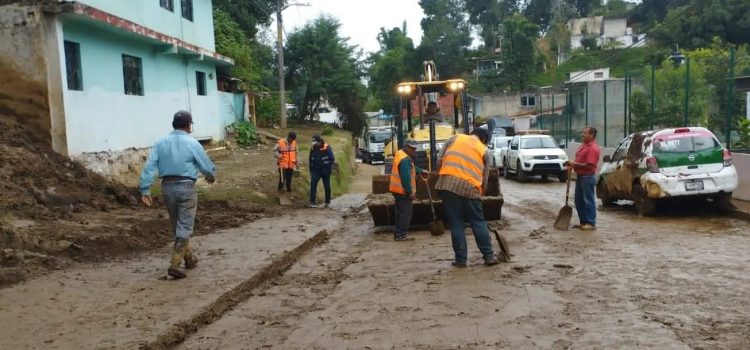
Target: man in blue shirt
[178, 158]
[321, 163]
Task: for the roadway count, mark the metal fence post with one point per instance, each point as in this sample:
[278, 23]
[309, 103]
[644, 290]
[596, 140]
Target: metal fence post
[630, 110]
[553, 113]
[687, 92]
[730, 99]
[652, 115]
[605, 113]
[625, 111]
[587, 103]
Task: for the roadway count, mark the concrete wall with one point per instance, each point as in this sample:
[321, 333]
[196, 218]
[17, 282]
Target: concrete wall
[26, 74]
[102, 118]
[741, 163]
[615, 27]
[149, 14]
[615, 112]
[231, 107]
[510, 104]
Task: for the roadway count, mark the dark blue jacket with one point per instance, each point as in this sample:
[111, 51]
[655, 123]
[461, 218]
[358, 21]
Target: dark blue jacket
[321, 159]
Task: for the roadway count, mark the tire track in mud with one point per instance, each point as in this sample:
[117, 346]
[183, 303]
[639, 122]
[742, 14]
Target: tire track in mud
[229, 300]
[282, 304]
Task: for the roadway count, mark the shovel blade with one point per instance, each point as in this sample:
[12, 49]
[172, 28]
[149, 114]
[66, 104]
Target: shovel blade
[284, 198]
[436, 228]
[563, 218]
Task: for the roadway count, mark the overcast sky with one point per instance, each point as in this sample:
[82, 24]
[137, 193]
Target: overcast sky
[360, 19]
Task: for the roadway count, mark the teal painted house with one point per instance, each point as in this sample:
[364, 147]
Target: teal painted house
[115, 71]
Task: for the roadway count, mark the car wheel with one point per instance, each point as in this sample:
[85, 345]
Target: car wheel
[519, 171]
[724, 202]
[603, 194]
[563, 176]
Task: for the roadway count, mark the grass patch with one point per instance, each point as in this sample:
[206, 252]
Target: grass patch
[632, 59]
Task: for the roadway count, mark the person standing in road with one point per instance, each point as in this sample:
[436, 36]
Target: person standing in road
[464, 171]
[585, 164]
[321, 162]
[178, 158]
[285, 153]
[403, 186]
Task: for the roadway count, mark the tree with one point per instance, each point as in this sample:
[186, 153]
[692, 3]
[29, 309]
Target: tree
[583, 8]
[519, 51]
[695, 24]
[446, 37]
[540, 12]
[488, 14]
[321, 65]
[248, 14]
[396, 61]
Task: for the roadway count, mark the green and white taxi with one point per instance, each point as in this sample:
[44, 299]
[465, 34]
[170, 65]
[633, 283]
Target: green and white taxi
[653, 165]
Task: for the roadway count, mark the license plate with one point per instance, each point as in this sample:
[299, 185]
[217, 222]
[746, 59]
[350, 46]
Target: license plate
[694, 185]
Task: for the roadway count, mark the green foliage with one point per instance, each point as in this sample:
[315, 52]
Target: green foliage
[252, 64]
[267, 109]
[327, 130]
[245, 134]
[639, 108]
[248, 14]
[519, 52]
[540, 13]
[583, 8]
[743, 129]
[487, 14]
[589, 42]
[322, 65]
[694, 24]
[631, 59]
[396, 61]
[446, 37]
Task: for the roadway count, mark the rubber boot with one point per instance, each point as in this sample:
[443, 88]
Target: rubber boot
[191, 261]
[178, 253]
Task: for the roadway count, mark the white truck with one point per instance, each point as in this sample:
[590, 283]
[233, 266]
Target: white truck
[371, 144]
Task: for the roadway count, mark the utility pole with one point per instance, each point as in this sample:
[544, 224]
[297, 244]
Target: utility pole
[280, 47]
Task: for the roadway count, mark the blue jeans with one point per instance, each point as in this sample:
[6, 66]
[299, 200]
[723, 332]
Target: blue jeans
[586, 199]
[458, 210]
[316, 176]
[182, 203]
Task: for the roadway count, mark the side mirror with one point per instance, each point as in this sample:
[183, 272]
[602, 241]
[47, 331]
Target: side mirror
[607, 159]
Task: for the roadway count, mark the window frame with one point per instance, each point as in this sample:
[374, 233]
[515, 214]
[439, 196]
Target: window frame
[167, 5]
[77, 78]
[525, 101]
[126, 60]
[201, 86]
[186, 7]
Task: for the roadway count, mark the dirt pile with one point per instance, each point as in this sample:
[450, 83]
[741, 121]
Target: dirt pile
[54, 211]
[38, 183]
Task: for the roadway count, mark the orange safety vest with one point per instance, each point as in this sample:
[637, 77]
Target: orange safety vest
[464, 159]
[288, 159]
[396, 185]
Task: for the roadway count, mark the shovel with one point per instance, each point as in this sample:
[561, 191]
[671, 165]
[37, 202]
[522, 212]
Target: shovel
[504, 255]
[566, 212]
[435, 226]
[283, 195]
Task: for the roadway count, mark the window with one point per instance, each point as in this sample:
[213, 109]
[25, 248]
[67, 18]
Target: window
[73, 65]
[538, 142]
[187, 9]
[132, 72]
[167, 4]
[598, 75]
[200, 83]
[528, 101]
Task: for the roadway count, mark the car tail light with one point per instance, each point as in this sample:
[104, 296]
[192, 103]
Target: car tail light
[728, 158]
[652, 165]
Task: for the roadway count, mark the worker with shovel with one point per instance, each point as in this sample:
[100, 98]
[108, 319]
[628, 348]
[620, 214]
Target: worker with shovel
[464, 171]
[403, 185]
[586, 161]
[285, 153]
[178, 158]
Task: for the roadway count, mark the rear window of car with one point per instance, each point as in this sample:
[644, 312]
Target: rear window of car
[538, 142]
[688, 143]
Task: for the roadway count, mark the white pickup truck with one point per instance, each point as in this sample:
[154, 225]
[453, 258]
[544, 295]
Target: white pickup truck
[534, 154]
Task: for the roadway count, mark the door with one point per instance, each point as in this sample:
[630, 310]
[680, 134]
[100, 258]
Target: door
[616, 174]
[513, 152]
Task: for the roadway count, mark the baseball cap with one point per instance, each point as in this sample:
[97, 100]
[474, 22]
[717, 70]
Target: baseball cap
[182, 119]
[412, 143]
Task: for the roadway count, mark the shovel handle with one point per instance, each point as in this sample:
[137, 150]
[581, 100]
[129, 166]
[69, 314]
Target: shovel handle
[567, 186]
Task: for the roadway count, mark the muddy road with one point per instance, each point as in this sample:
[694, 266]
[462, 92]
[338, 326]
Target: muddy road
[677, 281]
[672, 282]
